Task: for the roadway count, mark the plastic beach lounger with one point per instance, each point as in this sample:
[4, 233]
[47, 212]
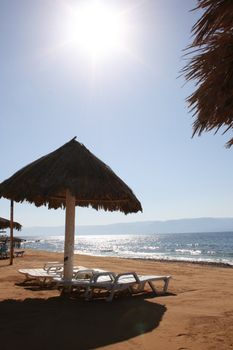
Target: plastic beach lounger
[125, 281]
[19, 253]
[40, 275]
[92, 280]
[47, 273]
[49, 267]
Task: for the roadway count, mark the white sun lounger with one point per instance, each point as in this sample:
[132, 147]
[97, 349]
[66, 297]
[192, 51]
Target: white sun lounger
[47, 273]
[91, 280]
[39, 275]
[44, 273]
[125, 281]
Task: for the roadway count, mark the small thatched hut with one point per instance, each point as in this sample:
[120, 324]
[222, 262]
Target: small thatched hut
[73, 167]
[211, 67]
[4, 223]
[68, 177]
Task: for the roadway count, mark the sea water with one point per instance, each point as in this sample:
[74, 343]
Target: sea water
[212, 247]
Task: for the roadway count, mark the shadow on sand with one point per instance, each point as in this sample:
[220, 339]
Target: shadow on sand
[58, 323]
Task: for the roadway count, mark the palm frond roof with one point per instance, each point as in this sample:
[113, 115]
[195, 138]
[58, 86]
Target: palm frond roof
[5, 223]
[71, 167]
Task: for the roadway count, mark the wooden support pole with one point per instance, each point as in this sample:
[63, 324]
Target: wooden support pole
[11, 232]
[69, 236]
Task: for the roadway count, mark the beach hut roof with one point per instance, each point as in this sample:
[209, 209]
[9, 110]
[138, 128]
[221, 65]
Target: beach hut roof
[4, 238]
[71, 167]
[4, 223]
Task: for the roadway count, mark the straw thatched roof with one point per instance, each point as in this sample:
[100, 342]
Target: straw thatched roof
[71, 167]
[6, 239]
[4, 223]
[211, 67]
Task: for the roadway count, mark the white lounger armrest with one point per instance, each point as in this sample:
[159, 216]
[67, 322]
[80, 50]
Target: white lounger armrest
[90, 272]
[83, 274]
[127, 275]
[99, 277]
[51, 267]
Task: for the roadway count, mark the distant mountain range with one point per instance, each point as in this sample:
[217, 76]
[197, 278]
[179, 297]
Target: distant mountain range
[143, 227]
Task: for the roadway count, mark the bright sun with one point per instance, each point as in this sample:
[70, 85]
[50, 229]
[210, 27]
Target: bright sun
[97, 28]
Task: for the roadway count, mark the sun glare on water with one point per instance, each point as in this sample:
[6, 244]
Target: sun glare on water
[97, 29]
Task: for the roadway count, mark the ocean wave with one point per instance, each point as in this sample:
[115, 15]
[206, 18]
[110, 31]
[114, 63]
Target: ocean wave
[189, 251]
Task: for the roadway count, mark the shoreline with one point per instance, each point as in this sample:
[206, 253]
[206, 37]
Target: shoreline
[195, 262]
[204, 263]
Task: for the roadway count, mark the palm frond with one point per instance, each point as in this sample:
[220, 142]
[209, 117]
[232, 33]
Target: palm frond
[211, 67]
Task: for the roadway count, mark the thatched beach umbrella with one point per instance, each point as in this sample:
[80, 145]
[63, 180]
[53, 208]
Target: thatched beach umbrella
[67, 177]
[4, 223]
[211, 67]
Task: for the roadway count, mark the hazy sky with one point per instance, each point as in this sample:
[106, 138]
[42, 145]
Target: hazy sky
[127, 107]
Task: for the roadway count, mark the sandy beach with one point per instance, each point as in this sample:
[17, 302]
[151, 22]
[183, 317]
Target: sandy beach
[196, 313]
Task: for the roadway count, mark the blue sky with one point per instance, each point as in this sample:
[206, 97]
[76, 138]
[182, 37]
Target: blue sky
[128, 109]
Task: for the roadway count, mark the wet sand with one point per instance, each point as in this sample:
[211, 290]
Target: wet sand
[196, 313]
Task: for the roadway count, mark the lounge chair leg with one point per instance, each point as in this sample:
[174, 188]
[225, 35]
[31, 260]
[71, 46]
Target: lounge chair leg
[140, 287]
[152, 287]
[27, 278]
[42, 282]
[166, 281]
[110, 297]
[88, 293]
[66, 291]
